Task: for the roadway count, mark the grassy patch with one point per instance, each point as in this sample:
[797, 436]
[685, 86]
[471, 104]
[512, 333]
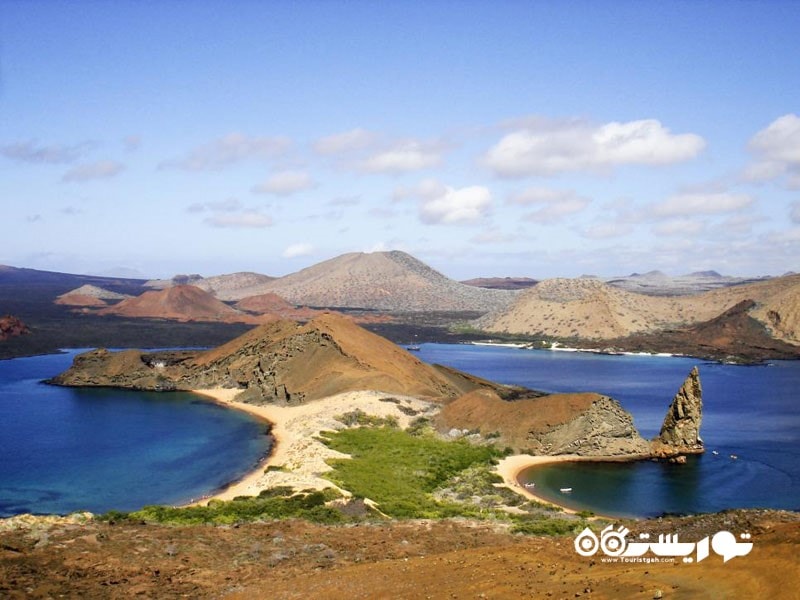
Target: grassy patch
[400, 471]
[359, 418]
[276, 503]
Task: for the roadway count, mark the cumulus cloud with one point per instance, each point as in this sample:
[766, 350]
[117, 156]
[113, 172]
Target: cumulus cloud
[295, 250]
[545, 148]
[464, 205]
[777, 151]
[228, 150]
[555, 204]
[131, 143]
[248, 219]
[403, 157]
[346, 141]
[676, 227]
[285, 183]
[101, 169]
[425, 189]
[228, 205]
[604, 231]
[31, 152]
[701, 204]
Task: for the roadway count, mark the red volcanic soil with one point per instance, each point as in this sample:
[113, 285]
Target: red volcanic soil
[179, 303]
[11, 326]
[264, 303]
[80, 300]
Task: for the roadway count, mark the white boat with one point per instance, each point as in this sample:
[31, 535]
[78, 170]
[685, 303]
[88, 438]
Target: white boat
[565, 490]
[530, 485]
[714, 452]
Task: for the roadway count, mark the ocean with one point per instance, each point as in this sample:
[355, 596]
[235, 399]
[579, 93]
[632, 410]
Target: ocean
[68, 449]
[97, 449]
[749, 412]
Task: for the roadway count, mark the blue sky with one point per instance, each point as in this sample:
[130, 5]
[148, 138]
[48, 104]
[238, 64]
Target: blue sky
[532, 139]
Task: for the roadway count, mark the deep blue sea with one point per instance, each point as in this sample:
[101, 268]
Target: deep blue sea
[67, 449]
[752, 412]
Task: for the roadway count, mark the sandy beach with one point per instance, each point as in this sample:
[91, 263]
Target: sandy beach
[298, 457]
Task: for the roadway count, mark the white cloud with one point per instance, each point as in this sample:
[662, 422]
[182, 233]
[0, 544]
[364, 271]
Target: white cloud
[452, 206]
[493, 235]
[228, 150]
[102, 169]
[679, 227]
[403, 157]
[547, 148]
[131, 143]
[794, 214]
[249, 219]
[556, 204]
[427, 188]
[347, 141]
[228, 205]
[701, 204]
[777, 148]
[604, 231]
[296, 250]
[285, 183]
[30, 152]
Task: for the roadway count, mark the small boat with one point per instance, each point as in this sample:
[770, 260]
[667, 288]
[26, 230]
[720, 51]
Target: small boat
[413, 348]
[530, 485]
[565, 490]
[714, 452]
[734, 457]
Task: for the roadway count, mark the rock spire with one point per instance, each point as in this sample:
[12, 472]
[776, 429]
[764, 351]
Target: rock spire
[680, 433]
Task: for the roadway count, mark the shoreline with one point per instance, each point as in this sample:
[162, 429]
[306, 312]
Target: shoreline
[298, 456]
[510, 468]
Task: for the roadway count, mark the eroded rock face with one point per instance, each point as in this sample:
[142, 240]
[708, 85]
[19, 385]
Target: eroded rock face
[680, 433]
[11, 326]
[584, 424]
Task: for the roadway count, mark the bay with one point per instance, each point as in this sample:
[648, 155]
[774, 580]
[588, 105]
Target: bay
[98, 449]
[750, 412]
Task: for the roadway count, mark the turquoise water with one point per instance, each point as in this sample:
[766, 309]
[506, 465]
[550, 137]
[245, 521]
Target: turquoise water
[750, 412]
[68, 449]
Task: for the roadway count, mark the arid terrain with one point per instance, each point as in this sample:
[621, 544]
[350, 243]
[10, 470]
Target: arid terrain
[401, 559]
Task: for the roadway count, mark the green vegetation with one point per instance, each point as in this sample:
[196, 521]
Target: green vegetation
[401, 471]
[362, 419]
[409, 474]
[276, 503]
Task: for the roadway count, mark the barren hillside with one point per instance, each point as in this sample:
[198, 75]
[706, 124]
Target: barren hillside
[385, 281]
[180, 303]
[591, 309]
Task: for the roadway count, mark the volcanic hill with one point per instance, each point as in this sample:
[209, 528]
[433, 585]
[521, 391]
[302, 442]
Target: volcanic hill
[391, 281]
[89, 295]
[281, 362]
[589, 309]
[179, 303]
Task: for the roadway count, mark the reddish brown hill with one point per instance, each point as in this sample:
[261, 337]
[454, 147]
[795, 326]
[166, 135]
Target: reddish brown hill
[586, 423]
[264, 303]
[11, 326]
[180, 303]
[281, 362]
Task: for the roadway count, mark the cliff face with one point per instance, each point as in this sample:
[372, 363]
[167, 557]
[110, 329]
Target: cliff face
[585, 424]
[282, 362]
[680, 433]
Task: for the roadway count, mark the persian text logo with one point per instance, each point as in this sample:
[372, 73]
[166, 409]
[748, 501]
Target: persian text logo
[614, 543]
